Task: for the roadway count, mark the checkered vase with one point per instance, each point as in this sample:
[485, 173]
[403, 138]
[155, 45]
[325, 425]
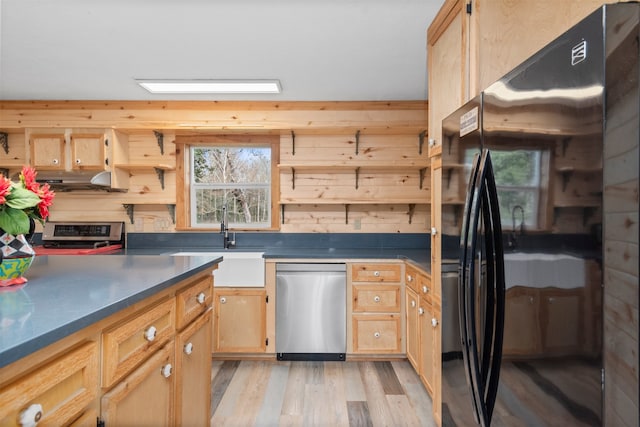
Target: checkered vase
[14, 246]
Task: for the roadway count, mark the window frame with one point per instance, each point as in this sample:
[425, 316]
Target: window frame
[184, 144]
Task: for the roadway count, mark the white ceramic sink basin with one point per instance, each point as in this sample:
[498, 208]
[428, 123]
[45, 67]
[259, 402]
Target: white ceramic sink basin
[237, 269]
[540, 270]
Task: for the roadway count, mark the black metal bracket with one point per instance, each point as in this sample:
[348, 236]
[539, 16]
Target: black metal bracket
[566, 177]
[5, 172]
[129, 208]
[357, 176]
[565, 145]
[412, 210]
[172, 212]
[421, 137]
[160, 174]
[4, 141]
[293, 178]
[282, 213]
[357, 141]
[346, 213]
[160, 137]
[449, 172]
[293, 143]
[423, 172]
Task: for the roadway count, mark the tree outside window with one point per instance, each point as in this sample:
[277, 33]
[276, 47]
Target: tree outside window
[238, 178]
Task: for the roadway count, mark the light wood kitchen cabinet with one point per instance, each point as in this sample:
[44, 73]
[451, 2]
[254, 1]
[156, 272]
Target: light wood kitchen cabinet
[146, 396]
[377, 294]
[193, 359]
[47, 151]
[56, 394]
[413, 328]
[377, 333]
[88, 151]
[522, 310]
[127, 344]
[193, 301]
[427, 340]
[240, 320]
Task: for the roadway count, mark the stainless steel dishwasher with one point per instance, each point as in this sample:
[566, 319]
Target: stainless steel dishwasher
[311, 311]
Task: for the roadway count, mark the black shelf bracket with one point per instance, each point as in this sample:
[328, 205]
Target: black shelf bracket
[293, 178]
[423, 172]
[357, 141]
[449, 172]
[566, 177]
[160, 137]
[293, 143]
[282, 213]
[587, 212]
[5, 172]
[346, 214]
[172, 212]
[129, 208]
[412, 210]
[4, 141]
[565, 145]
[357, 176]
[160, 174]
[421, 137]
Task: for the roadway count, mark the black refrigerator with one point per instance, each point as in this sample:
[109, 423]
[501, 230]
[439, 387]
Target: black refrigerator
[522, 214]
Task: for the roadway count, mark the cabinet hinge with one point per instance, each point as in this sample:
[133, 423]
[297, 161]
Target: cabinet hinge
[602, 379]
[469, 8]
[266, 342]
[267, 299]
[99, 422]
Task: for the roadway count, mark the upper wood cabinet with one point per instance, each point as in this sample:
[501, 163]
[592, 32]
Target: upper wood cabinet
[88, 151]
[47, 151]
[68, 150]
[471, 44]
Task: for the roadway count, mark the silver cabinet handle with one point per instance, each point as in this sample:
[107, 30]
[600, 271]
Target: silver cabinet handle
[166, 370]
[31, 416]
[223, 300]
[150, 333]
[201, 298]
[188, 348]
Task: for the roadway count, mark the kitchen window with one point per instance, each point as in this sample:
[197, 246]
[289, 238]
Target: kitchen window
[236, 173]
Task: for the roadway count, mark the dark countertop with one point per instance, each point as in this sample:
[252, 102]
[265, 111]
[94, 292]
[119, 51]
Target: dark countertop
[65, 294]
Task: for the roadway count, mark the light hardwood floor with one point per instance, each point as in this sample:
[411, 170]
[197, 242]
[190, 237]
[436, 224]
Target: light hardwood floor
[272, 393]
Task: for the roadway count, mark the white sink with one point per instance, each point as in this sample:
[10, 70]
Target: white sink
[237, 269]
[539, 270]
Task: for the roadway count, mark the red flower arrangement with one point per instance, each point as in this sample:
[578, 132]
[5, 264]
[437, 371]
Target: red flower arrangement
[23, 200]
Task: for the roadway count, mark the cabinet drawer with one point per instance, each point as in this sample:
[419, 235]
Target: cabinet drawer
[193, 301]
[376, 298]
[376, 272]
[376, 333]
[411, 278]
[129, 343]
[62, 388]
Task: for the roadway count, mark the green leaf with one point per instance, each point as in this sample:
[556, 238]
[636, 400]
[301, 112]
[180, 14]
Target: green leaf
[14, 221]
[21, 198]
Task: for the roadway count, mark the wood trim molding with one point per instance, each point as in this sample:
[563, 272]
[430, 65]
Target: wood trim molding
[446, 14]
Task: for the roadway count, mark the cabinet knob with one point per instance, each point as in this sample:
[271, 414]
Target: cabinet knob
[425, 290]
[421, 311]
[376, 273]
[432, 142]
[530, 300]
[413, 303]
[376, 298]
[150, 333]
[166, 370]
[31, 416]
[376, 334]
[434, 322]
[409, 278]
[551, 300]
[55, 161]
[223, 300]
[188, 348]
[78, 161]
[201, 298]
[434, 231]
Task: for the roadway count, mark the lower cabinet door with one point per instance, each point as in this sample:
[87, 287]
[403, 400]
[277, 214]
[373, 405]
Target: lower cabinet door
[427, 332]
[193, 360]
[413, 329]
[145, 397]
[240, 320]
[376, 333]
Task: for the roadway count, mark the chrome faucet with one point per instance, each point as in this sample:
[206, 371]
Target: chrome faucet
[224, 230]
[512, 236]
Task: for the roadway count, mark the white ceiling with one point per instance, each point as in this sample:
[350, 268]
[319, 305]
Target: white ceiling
[320, 50]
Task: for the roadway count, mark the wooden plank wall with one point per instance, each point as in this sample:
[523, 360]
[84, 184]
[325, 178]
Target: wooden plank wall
[389, 133]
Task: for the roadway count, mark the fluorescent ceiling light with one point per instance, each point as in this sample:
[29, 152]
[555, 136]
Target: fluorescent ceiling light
[211, 86]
